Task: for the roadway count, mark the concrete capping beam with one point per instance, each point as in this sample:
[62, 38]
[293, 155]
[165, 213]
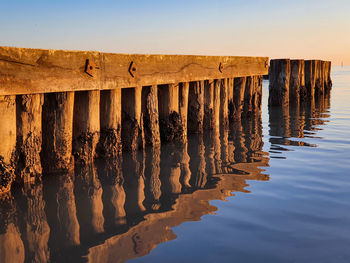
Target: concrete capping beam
[31, 71]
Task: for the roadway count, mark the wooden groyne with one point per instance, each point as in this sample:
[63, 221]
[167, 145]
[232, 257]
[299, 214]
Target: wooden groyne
[293, 81]
[60, 108]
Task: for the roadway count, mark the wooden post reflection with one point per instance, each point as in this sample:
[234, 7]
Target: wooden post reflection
[185, 166]
[171, 169]
[61, 213]
[152, 180]
[197, 161]
[224, 150]
[237, 135]
[11, 244]
[33, 223]
[133, 170]
[88, 192]
[113, 195]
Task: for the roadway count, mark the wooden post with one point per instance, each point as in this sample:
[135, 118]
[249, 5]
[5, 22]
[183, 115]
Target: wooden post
[183, 104]
[257, 95]
[230, 93]
[8, 141]
[296, 87]
[209, 118]
[328, 80]
[238, 102]
[310, 78]
[150, 115]
[248, 96]
[319, 82]
[224, 103]
[216, 106]
[58, 130]
[279, 82]
[29, 140]
[110, 145]
[171, 128]
[196, 107]
[132, 121]
[86, 126]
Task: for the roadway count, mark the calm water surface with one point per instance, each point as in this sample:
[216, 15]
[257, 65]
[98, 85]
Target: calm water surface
[273, 188]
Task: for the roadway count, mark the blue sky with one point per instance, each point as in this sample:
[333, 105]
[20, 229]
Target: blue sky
[295, 29]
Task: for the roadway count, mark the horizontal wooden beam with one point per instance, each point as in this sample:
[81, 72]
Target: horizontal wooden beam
[29, 71]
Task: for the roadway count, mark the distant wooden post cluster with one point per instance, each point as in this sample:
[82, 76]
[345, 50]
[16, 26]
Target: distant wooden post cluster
[60, 108]
[292, 81]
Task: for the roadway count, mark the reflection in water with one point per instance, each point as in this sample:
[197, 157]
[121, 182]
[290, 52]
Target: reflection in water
[115, 212]
[292, 125]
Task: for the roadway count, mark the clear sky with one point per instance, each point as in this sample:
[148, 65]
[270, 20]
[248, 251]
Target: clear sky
[274, 28]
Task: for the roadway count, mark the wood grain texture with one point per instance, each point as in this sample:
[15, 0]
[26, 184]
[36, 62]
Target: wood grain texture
[29, 71]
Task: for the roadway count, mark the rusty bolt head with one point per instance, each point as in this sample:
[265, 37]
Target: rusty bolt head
[221, 67]
[90, 67]
[132, 69]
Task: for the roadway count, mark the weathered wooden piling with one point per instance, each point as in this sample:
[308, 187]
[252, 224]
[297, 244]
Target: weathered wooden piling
[224, 94]
[183, 104]
[297, 83]
[238, 91]
[170, 123]
[230, 95]
[248, 96]
[217, 102]
[327, 78]
[132, 122]
[86, 125]
[310, 78]
[150, 115]
[319, 79]
[57, 126]
[29, 136]
[257, 96]
[8, 141]
[279, 76]
[196, 107]
[110, 144]
[209, 111]
[213, 109]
